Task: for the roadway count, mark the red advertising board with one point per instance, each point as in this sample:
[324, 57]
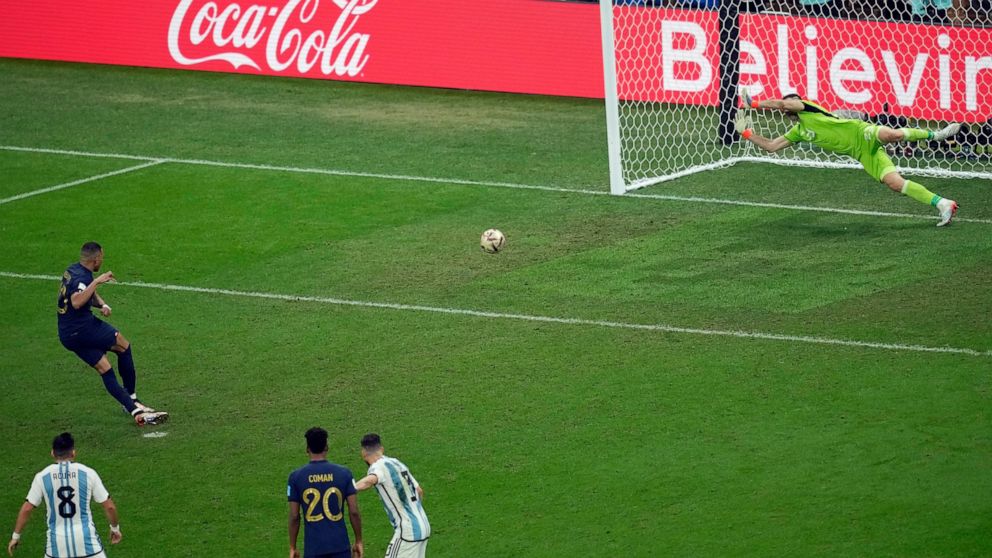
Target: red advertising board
[523, 46]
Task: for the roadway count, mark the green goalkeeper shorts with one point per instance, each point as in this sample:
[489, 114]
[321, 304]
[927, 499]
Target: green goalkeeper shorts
[871, 154]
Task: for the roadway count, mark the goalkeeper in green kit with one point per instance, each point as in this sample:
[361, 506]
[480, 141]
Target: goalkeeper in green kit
[860, 140]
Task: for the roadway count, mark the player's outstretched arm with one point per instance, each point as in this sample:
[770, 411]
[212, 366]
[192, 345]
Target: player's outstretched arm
[788, 105]
[22, 519]
[743, 126]
[769, 145]
[366, 482]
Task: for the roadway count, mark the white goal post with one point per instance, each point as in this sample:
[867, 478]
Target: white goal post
[672, 70]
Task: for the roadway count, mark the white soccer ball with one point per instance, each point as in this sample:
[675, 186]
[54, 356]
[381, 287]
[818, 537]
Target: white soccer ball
[492, 241]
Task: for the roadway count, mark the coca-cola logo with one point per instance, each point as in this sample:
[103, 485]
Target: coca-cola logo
[294, 33]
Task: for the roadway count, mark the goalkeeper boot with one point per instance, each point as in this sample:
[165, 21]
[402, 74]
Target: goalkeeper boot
[948, 131]
[947, 208]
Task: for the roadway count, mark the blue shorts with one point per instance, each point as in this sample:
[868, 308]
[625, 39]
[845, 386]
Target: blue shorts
[92, 342]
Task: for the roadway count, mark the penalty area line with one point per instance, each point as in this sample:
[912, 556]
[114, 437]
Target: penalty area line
[537, 318]
[304, 170]
[463, 182]
[65, 185]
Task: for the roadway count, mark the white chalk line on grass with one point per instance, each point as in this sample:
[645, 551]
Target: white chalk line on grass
[533, 318]
[303, 170]
[63, 186]
[439, 180]
[867, 212]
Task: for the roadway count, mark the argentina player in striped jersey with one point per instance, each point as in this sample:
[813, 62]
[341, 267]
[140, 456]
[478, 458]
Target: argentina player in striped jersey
[67, 488]
[402, 497]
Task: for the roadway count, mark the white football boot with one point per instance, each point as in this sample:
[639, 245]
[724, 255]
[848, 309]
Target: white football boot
[144, 408]
[139, 406]
[155, 417]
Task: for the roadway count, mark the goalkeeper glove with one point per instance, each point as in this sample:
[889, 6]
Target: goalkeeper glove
[743, 125]
[747, 100]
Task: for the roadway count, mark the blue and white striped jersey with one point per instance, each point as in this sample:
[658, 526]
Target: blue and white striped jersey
[67, 489]
[398, 490]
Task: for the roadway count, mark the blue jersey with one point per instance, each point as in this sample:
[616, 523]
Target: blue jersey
[76, 278]
[320, 488]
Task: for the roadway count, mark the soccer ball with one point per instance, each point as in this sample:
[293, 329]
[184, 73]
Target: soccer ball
[492, 241]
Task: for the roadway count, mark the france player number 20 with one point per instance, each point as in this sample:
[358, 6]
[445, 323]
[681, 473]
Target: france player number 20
[312, 498]
[67, 507]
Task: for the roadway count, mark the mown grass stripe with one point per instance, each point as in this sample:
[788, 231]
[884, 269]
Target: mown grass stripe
[536, 318]
[464, 182]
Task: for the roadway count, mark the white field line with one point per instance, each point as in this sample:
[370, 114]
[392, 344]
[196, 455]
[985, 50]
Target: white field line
[532, 318]
[439, 180]
[867, 212]
[934, 173]
[304, 170]
[151, 163]
[729, 162]
[786, 163]
[644, 183]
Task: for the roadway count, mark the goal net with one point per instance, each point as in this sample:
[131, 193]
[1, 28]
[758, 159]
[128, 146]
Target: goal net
[673, 69]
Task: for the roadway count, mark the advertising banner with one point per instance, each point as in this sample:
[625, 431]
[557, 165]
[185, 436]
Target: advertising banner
[523, 46]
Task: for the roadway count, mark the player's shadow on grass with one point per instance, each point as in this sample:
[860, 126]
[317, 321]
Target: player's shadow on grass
[800, 229]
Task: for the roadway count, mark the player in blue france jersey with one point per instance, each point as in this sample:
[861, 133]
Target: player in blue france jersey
[90, 338]
[402, 497]
[319, 490]
[67, 489]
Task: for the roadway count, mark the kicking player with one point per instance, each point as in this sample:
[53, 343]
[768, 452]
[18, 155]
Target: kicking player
[854, 138]
[90, 338]
[401, 496]
[67, 489]
[322, 488]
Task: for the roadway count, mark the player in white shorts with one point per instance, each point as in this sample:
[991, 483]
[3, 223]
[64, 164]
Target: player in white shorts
[67, 489]
[402, 497]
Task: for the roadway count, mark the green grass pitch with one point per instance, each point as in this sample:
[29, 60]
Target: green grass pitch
[531, 438]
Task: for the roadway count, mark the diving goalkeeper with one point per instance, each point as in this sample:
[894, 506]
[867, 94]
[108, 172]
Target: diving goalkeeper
[854, 138]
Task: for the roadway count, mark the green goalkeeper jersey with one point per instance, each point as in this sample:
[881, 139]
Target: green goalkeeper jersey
[829, 132]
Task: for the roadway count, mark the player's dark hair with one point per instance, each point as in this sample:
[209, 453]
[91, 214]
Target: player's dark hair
[63, 444]
[316, 440]
[371, 442]
[89, 251]
[792, 96]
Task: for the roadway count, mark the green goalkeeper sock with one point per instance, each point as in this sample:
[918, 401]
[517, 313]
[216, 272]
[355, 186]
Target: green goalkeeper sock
[916, 134]
[919, 193]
